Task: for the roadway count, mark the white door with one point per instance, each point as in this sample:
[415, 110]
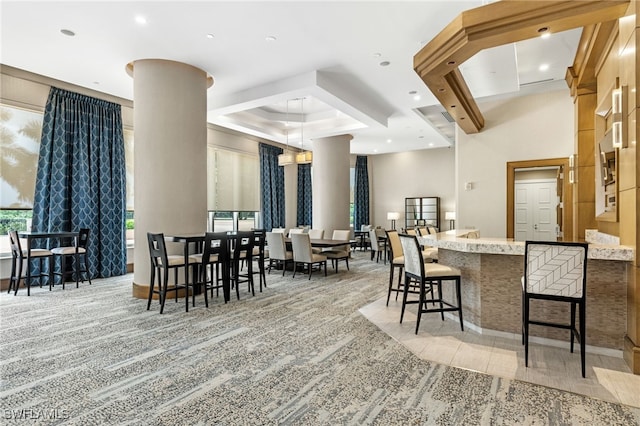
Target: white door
[535, 210]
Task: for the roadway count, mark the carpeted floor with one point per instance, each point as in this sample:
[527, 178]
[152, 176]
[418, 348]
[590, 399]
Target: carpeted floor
[299, 353]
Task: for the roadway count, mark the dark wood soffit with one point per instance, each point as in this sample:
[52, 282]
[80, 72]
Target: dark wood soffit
[492, 25]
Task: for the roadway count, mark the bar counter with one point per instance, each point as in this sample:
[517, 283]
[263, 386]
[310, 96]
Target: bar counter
[492, 292]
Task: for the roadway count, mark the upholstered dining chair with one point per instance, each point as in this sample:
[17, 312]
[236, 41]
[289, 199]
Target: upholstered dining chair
[302, 254]
[429, 277]
[555, 271]
[278, 253]
[377, 245]
[338, 253]
[260, 255]
[161, 263]
[18, 261]
[396, 261]
[80, 271]
[316, 234]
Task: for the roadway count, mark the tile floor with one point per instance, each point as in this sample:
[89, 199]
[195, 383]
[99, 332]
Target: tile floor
[608, 377]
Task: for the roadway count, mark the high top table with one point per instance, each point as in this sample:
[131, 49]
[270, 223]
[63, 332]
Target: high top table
[42, 235]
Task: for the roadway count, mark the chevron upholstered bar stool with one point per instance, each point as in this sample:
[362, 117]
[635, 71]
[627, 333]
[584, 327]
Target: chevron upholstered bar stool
[555, 271]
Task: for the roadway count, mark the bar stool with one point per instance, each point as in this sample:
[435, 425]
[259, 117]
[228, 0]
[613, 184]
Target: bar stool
[430, 277]
[161, 263]
[555, 271]
[19, 258]
[80, 248]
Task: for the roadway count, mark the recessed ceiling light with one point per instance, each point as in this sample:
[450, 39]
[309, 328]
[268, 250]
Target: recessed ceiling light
[451, 63]
[141, 20]
[67, 32]
[546, 35]
[543, 67]
[416, 97]
[384, 63]
[377, 55]
[421, 137]
[375, 151]
[210, 35]
[270, 38]
[388, 140]
[96, 83]
[543, 29]
[413, 92]
[431, 144]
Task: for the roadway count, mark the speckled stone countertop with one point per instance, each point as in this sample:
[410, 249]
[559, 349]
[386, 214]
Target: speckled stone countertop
[465, 241]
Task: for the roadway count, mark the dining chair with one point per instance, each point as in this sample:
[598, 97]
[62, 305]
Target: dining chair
[430, 277]
[80, 265]
[296, 231]
[316, 234]
[214, 268]
[377, 245]
[338, 253]
[161, 263]
[278, 253]
[18, 260]
[302, 254]
[555, 271]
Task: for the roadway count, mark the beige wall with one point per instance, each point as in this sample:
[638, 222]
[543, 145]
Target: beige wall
[425, 173]
[525, 128]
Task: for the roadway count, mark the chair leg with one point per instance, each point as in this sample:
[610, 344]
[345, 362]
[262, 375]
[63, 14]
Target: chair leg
[400, 280]
[404, 297]
[459, 296]
[583, 340]
[164, 283]
[151, 286]
[526, 331]
[86, 268]
[390, 283]
[420, 303]
[573, 324]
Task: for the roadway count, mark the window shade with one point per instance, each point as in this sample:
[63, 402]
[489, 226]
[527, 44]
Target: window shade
[233, 182]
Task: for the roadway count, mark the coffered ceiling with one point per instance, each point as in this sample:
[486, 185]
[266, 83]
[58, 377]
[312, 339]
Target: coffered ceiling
[288, 72]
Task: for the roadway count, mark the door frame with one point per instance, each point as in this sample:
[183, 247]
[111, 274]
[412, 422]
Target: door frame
[567, 192]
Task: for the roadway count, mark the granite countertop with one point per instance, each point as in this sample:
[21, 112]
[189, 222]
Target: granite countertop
[464, 241]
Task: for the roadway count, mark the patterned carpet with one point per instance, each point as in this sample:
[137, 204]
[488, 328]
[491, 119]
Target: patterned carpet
[299, 353]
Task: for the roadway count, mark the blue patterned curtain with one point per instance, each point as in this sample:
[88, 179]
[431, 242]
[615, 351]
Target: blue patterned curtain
[81, 179]
[361, 193]
[271, 187]
[305, 197]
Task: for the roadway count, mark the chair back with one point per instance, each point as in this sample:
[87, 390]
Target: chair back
[83, 238]
[242, 243]
[316, 234]
[422, 231]
[259, 241]
[413, 261]
[393, 241]
[14, 241]
[279, 230]
[157, 250]
[555, 268]
[365, 227]
[432, 229]
[411, 231]
[301, 244]
[373, 238]
[296, 231]
[215, 244]
[277, 247]
[339, 234]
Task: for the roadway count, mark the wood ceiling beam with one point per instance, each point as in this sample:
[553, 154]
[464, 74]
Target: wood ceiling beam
[496, 24]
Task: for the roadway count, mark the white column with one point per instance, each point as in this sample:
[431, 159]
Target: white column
[331, 188]
[170, 150]
[291, 195]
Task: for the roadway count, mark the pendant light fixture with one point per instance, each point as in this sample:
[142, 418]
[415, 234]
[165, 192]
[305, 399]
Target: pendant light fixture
[287, 157]
[304, 157]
